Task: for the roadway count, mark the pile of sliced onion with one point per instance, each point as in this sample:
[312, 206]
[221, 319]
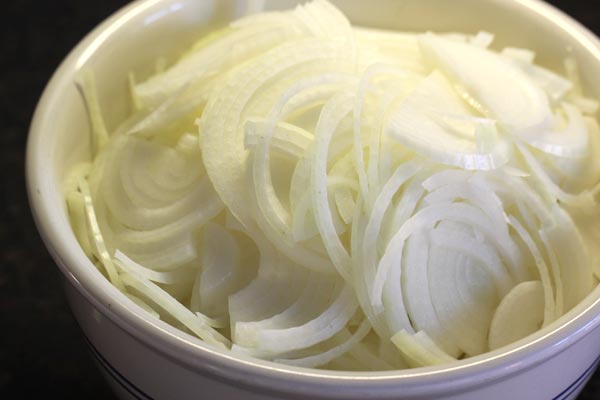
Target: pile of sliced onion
[302, 191]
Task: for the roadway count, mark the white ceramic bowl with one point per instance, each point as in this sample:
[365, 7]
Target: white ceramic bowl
[144, 358]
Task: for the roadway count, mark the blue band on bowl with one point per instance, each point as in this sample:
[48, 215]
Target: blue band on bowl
[578, 382]
[116, 375]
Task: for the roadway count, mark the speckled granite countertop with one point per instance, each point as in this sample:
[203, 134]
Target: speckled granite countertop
[41, 350]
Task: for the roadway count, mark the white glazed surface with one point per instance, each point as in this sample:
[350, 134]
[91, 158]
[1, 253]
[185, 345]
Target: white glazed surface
[132, 369]
[146, 358]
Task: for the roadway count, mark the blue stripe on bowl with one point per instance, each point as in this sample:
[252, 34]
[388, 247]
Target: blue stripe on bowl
[130, 387]
[578, 382]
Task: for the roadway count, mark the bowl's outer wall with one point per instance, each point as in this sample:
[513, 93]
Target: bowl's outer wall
[134, 367]
[135, 371]
[149, 29]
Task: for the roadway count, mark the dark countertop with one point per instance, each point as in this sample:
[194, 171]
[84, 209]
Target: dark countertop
[41, 349]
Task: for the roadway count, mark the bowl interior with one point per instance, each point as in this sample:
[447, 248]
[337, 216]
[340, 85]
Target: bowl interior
[137, 36]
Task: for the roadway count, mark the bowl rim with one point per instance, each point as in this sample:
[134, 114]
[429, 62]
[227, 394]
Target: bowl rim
[241, 370]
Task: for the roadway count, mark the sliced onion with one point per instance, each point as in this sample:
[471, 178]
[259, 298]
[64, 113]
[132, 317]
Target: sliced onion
[325, 357]
[417, 124]
[520, 313]
[492, 85]
[299, 190]
[86, 82]
[420, 350]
